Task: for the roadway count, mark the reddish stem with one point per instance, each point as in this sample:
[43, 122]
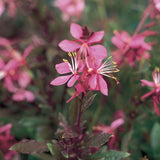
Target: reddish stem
[143, 19]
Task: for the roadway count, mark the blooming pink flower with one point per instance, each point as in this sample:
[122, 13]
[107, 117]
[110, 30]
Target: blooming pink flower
[66, 67]
[155, 93]
[130, 49]
[96, 81]
[84, 42]
[70, 8]
[6, 141]
[109, 129]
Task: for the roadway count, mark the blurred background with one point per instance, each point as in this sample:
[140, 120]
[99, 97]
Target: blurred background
[43, 24]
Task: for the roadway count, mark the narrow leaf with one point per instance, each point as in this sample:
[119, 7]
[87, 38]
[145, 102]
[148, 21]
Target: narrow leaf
[116, 155]
[89, 102]
[98, 140]
[30, 146]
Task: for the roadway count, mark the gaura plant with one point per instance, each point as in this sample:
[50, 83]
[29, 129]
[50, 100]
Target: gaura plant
[86, 69]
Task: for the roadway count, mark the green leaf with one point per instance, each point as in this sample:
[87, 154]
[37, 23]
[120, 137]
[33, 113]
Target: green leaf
[110, 155]
[98, 140]
[89, 102]
[56, 150]
[50, 147]
[116, 155]
[30, 146]
[155, 140]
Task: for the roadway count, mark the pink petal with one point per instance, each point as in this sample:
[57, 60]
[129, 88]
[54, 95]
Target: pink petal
[4, 42]
[117, 42]
[60, 80]
[2, 7]
[76, 30]
[79, 89]
[27, 51]
[156, 107]
[103, 86]
[96, 37]
[9, 84]
[147, 94]
[98, 51]
[12, 64]
[29, 96]
[63, 68]
[5, 128]
[147, 83]
[72, 81]
[93, 81]
[1, 64]
[68, 46]
[24, 79]
[19, 96]
[116, 123]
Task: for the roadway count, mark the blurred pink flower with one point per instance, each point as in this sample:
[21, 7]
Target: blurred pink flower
[20, 93]
[130, 49]
[16, 79]
[71, 9]
[21, 58]
[2, 7]
[84, 42]
[155, 8]
[8, 72]
[109, 129]
[6, 141]
[155, 93]
[11, 7]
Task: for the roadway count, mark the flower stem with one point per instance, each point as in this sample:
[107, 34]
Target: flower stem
[79, 114]
[143, 19]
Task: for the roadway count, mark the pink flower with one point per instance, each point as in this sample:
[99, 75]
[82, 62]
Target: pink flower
[155, 8]
[109, 129]
[2, 7]
[66, 67]
[21, 58]
[79, 89]
[6, 141]
[84, 42]
[96, 72]
[11, 7]
[21, 93]
[86, 68]
[8, 72]
[70, 8]
[155, 93]
[16, 80]
[157, 4]
[130, 49]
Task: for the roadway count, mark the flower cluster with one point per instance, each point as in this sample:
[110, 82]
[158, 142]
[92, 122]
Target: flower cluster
[70, 8]
[87, 67]
[155, 93]
[6, 141]
[14, 71]
[130, 48]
